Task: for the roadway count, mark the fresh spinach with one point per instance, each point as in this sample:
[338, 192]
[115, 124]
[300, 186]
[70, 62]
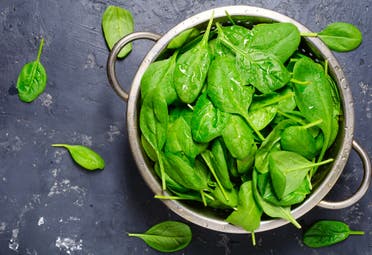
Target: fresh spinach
[154, 124]
[327, 232]
[167, 236]
[192, 68]
[32, 79]
[117, 22]
[339, 36]
[247, 214]
[185, 36]
[84, 156]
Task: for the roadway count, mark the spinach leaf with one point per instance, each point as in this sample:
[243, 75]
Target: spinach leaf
[218, 152]
[179, 140]
[207, 121]
[171, 184]
[32, 79]
[149, 150]
[272, 210]
[84, 156]
[159, 74]
[280, 39]
[231, 200]
[248, 213]
[167, 236]
[238, 138]
[327, 232]
[288, 170]
[339, 36]
[183, 171]
[315, 99]
[154, 124]
[192, 68]
[269, 145]
[226, 90]
[183, 37]
[117, 23]
[238, 35]
[262, 117]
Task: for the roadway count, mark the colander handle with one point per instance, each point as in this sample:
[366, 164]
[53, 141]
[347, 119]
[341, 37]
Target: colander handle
[111, 74]
[363, 186]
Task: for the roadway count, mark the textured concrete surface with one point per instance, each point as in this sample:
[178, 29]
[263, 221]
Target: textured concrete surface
[50, 206]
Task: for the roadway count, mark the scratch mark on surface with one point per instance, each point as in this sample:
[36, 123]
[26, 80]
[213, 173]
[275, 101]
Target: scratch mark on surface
[224, 243]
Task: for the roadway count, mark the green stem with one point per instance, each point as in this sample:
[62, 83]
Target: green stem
[206, 34]
[40, 50]
[170, 197]
[260, 136]
[230, 18]
[60, 145]
[253, 238]
[309, 34]
[162, 172]
[136, 235]
[326, 66]
[311, 165]
[277, 99]
[300, 82]
[288, 116]
[312, 124]
[203, 198]
[356, 232]
[211, 168]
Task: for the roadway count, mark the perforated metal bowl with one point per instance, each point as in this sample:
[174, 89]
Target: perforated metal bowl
[339, 151]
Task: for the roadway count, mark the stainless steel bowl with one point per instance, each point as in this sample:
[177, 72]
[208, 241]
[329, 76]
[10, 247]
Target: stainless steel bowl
[339, 151]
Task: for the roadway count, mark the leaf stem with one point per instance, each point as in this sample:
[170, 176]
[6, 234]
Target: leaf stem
[170, 197]
[356, 232]
[162, 172]
[277, 99]
[211, 168]
[40, 50]
[312, 124]
[230, 18]
[253, 238]
[260, 136]
[309, 34]
[311, 165]
[203, 198]
[300, 82]
[206, 34]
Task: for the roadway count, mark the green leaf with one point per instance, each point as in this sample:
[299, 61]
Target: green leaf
[32, 79]
[288, 170]
[239, 138]
[192, 68]
[117, 23]
[154, 124]
[248, 213]
[327, 232]
[207, 121]
[272, 210]
[159, 75]
[341, 36]
[315, 99]
[183, 37]
[167, 236]
[84, 156]
[281, 39]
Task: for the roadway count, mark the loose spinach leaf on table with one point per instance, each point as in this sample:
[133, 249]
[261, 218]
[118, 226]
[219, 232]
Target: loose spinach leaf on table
[167, 236]
[117, 22]
[32, 79]
[327, 232]
[84, 156]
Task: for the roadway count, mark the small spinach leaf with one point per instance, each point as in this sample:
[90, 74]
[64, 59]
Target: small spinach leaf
[167, 236]
[117, 23]
[84, 156]
[327, 232]
[32, 79]
[185, 36]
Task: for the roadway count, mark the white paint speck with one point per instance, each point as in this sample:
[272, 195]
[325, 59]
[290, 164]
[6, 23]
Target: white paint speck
[69, 245]
[114, 131]
[364, 88]
[64, 187]
[86, 140]
[12, 144]
[2, 227]
[90, 62]
[13, 242]
[55, 171]
[41, 221]
[46, 100]
[4, 179]
[58, 155]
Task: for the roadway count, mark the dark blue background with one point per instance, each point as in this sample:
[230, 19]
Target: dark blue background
[48, 205]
